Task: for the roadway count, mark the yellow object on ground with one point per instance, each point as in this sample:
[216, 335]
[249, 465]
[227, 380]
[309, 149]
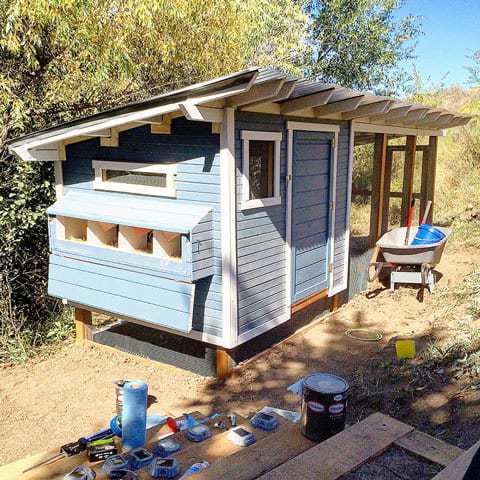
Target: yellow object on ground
[405, 349]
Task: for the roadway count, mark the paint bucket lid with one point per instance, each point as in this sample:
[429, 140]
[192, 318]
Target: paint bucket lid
[326, 383]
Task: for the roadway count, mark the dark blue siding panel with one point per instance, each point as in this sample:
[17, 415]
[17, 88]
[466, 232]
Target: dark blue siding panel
[196, 151]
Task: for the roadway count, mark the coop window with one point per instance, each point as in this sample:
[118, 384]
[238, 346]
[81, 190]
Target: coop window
[261, 169]
[141, 178]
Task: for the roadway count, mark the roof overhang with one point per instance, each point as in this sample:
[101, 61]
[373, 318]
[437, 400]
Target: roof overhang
[252, 89]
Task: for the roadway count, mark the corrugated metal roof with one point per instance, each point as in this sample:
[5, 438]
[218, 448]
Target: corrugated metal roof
[144, 212]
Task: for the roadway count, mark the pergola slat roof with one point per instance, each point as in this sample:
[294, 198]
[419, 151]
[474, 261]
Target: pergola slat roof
[253, 87]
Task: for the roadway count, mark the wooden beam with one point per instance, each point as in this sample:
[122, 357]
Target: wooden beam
[431, 448]
[432, 169]
[430, 117]
[310, 300]
[408, 176]
[340, 106]
[344, 452]
[386, 192]
[378, 186]
[83, 324]
[58, 168]
[224, 364]
[257, 94]
[394, 114]
[414, 116]
[369, 109]
[461, 468]
[313, 100]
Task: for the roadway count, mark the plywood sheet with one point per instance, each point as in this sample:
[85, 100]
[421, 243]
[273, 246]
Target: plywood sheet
[344, 452]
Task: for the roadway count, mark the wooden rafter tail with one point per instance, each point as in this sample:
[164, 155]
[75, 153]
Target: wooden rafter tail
[314, 100]
[368, 109]
[257, 94]
[339, 106]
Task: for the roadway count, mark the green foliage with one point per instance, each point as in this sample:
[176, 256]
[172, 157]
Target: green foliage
[360, 44]
[67, 58]
[474, 68]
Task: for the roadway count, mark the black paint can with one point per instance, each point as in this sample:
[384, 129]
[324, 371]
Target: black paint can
[324, 406]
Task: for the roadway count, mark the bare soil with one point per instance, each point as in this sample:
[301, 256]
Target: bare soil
[50, 401]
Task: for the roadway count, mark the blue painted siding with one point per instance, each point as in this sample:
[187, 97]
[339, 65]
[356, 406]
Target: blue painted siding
[261, 232]
[196, 151]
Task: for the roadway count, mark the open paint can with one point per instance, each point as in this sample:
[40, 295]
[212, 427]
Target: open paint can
[324, 406]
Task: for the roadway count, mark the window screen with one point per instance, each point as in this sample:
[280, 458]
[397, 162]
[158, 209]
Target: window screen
[261, 165]
[135, 178]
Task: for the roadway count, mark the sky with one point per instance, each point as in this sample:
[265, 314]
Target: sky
[451, 33]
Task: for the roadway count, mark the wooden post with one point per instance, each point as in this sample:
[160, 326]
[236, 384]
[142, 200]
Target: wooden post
[335, 303]
[408, 175]
[386, 191]
[378, 186]
[83, 324]
[224, 364]
[432, 168]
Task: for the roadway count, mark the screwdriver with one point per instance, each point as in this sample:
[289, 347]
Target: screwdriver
[74, 448]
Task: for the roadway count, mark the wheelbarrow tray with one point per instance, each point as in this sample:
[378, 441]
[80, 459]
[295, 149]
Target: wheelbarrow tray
[392, 245]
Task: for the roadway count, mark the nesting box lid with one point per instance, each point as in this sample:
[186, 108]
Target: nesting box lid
[143, 212]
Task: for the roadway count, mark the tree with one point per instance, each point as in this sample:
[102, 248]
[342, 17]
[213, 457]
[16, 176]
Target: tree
[67, 58]
[474, 68]
[360, 43]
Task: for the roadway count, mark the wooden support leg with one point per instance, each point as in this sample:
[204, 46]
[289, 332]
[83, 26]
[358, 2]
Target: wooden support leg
[83, 324]
[335, 303]
[224, 364]
[408, 176]
[432, 165]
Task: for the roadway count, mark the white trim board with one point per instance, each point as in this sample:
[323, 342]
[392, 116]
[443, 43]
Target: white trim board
[313, 127]
[333, 210]
[276, 199]
[228, 229]
[376, 128]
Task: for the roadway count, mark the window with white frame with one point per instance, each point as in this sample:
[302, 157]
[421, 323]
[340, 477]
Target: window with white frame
[261, 169]
[141, 178]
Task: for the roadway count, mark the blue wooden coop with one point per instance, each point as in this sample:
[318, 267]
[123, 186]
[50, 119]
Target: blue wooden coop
[216, 211]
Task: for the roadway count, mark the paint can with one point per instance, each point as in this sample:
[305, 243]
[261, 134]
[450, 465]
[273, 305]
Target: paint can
[324, 406]
[119, 384]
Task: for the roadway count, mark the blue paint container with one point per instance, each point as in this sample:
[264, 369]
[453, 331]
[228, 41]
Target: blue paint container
[134, 414]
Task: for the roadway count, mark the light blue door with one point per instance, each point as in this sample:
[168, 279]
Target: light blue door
[310, 212]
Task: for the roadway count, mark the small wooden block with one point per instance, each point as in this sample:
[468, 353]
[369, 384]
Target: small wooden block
[216, 128]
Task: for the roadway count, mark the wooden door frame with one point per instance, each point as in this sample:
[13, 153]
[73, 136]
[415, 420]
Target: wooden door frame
[309, 127]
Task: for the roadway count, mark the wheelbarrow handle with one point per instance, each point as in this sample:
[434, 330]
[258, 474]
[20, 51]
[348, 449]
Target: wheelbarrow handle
[378, 268]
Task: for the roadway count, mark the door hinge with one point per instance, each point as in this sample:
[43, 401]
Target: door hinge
[330, 267]
[288, 178]
[333, 142]
[332, 205]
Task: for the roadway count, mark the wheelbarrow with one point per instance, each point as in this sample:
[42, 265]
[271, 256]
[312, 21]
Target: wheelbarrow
[408, 263]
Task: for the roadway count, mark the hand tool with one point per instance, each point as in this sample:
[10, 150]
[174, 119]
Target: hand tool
[80, 473]
[409, 221]
[139, 458]
[165, 448]
[117, 462]
[241, 437]
[264, 421]
[73, 448]
[164, 468]
[195, 468]
[198, 433]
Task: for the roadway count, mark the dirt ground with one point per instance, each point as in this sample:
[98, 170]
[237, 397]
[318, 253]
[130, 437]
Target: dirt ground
[53, 400]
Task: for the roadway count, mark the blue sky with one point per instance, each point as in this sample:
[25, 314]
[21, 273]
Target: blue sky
[451, 32]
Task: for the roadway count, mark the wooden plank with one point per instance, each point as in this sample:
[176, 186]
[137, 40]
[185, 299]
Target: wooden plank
[306, 302]
[343, 452]
[83, 323]
[429, 447]
[458, 469]
[386, 192]
[424, 184]
[269, 452]
[408, 176]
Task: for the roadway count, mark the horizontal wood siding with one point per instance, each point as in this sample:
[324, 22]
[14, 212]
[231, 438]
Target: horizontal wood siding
[261, 236]
[196, 151]
[261, 279]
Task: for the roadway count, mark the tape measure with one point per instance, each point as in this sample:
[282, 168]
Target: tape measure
[116, 462]
[198, 433]
[166, 447]
[80, 473]
[139, 458]
[264, 421]
[164, 468]
[241, 437]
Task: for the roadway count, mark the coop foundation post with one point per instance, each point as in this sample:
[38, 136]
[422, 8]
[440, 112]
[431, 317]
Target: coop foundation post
[408, 176]
[83, 325]
[432, 166]
[224, 364]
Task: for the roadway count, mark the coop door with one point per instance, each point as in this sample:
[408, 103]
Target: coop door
[311, 159]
